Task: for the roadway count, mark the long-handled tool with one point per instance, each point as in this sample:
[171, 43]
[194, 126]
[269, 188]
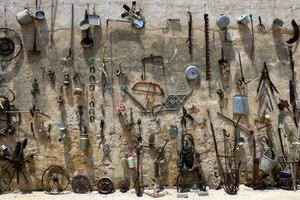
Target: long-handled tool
[216, 147]
[260, 26]
[189, 40]
[252, 38]
[224, 65]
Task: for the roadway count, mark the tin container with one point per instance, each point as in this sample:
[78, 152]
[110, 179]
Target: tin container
[130, 161]
[24, 17]
[84, 141]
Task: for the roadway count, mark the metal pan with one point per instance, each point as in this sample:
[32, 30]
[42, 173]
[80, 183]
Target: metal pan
[87, 41]
[84, 24]
[94, 19]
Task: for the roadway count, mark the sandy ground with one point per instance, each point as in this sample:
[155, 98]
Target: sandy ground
[244, 194]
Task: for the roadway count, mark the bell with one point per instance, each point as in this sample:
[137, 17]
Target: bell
[67, 79]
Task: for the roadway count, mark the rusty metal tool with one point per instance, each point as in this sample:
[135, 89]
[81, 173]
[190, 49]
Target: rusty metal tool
[216, 147]
[171, 103]
[32, 129]
[137, 102]
[207, 49]
[260, 26]
[265, 78]
[252, 38]
[296, 33]
[293, 90]
[161, 152]
[106, 149]
[156, 60]
[242, 82]
[189, 40]
[241, 126]
[224, 64]
[139, 189]
[102, 136]
[149, 88]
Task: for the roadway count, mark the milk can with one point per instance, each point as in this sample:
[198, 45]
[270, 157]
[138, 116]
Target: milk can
[24, 17]
[130, 161]
[84, 140]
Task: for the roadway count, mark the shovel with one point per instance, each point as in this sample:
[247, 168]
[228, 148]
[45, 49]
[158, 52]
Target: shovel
[223, 63]
[94, 19]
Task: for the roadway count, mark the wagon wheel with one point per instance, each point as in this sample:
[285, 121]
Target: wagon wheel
[81, 184]
[105, 186]
[55, 179]
[5, 180]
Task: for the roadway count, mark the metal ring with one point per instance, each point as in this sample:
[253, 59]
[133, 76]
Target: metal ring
[92, 79]
[92, 70]
[91, 111]
[92, 119]
[92, 87]
[92, 104]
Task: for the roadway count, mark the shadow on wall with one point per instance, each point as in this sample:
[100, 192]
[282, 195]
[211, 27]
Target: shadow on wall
[282, 52]
[18, 62]
[35, 46]
[246, 38]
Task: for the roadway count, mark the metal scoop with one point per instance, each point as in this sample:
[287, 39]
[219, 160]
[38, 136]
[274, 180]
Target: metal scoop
[94, 19]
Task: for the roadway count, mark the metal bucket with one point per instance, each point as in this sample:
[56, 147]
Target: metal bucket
[267, 163]
[84, 141]
[24, 17]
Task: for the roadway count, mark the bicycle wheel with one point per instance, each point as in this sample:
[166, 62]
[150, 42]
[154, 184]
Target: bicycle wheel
[5, 180]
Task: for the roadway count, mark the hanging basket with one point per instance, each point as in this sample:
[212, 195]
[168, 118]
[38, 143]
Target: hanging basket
[267, 163]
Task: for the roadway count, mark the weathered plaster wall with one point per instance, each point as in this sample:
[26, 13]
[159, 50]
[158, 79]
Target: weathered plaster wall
[119, 43]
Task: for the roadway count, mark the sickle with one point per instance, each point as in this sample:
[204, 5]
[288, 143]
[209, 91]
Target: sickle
[296, 33]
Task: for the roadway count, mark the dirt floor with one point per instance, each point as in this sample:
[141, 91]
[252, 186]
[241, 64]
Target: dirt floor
[244, 194]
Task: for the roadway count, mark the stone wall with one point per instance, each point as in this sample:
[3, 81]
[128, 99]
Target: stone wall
[119, 44]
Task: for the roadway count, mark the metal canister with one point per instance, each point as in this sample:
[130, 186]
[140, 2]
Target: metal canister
[24, 17]
[130, 161]
[84, 140]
